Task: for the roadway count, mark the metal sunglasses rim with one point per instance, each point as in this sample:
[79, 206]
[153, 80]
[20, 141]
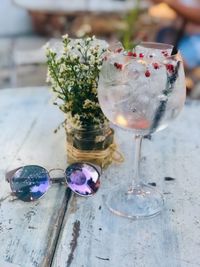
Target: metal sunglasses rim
[95, 167]
[10, 174]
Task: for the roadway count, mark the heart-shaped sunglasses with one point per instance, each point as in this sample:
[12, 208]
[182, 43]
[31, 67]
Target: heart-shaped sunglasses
[31, 182]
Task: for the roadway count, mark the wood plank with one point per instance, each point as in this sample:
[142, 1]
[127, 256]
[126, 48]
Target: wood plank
[92, 236]
[28, 231]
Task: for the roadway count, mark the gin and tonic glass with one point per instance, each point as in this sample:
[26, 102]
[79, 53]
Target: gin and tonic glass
[141, 90]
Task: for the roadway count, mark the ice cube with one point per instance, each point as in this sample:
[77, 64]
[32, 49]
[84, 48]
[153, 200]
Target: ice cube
[154, 50]
[116, 47]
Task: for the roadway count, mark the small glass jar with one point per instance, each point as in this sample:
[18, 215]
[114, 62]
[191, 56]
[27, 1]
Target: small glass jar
[91, 144]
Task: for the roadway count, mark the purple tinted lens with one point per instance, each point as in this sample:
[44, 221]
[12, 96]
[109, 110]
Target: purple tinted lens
[83, 178]
[30, 182]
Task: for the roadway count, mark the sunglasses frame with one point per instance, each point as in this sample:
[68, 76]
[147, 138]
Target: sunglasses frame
[63, 180]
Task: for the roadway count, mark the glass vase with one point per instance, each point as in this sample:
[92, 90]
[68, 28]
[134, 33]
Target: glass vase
[90, 144]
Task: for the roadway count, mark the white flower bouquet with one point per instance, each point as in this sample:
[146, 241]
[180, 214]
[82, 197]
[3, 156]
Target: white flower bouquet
[73, 72]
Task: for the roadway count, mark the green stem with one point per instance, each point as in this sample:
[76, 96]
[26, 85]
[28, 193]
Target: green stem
[131, 29]
[54, 73]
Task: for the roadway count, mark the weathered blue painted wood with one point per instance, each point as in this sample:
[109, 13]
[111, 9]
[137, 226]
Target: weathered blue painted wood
[92, 236]
[28, 231]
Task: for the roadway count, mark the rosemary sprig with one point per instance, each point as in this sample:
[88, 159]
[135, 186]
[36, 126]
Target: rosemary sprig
[171, 79]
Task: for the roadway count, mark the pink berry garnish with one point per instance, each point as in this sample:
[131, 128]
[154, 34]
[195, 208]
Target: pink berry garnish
[147, 73]
[118, 50]
[165, 53]
[134, 54]
[118, 65]
[155, 65]
[130, 54]
[170, 67]
[141, 55]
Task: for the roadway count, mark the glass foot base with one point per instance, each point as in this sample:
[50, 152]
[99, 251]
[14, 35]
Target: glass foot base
[142, 202]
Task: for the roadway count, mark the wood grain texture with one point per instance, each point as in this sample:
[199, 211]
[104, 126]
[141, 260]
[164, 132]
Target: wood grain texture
[93, 237]
[28, 231]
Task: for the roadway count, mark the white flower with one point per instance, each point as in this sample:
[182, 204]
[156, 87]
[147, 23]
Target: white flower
[61, 80]
[76, 69]
[49, 50]
[88, 39]
[65, 36]
[77, 117]
[91, 50]
[92, 59]
[48, 78]
[46, 46]
[67, 48]
[73, 57]
[78, 46]
[85, 67]
[62, 68]
[88, 103]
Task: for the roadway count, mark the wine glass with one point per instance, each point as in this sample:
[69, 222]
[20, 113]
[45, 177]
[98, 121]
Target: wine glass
[141, 90]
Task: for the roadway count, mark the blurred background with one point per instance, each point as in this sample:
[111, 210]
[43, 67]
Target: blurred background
[26, 25]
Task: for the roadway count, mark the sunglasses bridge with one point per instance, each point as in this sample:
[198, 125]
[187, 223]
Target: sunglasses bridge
[61, 178]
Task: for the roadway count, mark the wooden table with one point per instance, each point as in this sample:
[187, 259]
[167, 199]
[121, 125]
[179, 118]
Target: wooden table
[63, 231]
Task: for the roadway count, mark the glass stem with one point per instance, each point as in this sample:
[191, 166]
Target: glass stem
[136, 182]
